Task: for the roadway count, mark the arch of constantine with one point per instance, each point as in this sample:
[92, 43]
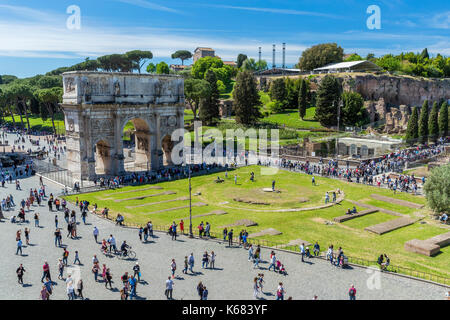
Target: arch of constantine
[98, 105]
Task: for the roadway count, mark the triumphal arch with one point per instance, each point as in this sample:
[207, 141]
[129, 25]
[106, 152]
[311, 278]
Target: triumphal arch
[98, 105]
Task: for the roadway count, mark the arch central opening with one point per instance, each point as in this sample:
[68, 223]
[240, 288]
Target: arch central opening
[136, 145]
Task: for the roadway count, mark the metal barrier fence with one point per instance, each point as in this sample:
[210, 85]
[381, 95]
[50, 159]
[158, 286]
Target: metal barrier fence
[53, 172]
[295, 249]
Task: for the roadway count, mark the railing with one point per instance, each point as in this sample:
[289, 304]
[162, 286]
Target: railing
[295, 249]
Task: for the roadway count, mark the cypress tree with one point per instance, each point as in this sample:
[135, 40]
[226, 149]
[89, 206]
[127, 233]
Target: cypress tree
[246, 99]
[209, 107]
[278, 91]
[412, 132]
[327, 99]
[423, 123]
[433, 126]
[443, 120]
[302, 99]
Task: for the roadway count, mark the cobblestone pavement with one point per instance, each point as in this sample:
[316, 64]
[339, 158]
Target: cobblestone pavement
[232, 278]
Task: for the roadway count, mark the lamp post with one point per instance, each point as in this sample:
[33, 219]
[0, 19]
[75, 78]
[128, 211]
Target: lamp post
[191, 235]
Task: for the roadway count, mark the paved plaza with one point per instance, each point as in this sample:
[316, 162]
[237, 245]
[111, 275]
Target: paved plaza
[232, 278]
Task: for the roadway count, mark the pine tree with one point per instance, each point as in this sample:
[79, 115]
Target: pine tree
[433, 126]
[443, 120]
[302, 99]
[209, 107]
[412, 132]
[423, 123]
[328, 95]
[246, 99]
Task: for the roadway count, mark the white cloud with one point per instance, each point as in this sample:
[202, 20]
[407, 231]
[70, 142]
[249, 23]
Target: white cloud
[441, 20]
[278, 11]
[148, 5]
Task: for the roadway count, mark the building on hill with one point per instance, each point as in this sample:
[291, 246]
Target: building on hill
[230, 63]
[201, 52]
[177, 67]
[350, 66]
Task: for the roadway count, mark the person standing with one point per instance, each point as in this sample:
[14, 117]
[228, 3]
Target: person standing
[255, 288]
[273, 260]
[132, 282]
[200, 290]
[280, 291]
[191, 262]
[302, 251]
[56, 221]
[95, 233]
[108, 278]
[169, 288]
[185, 265]
[173, 268]
[352, 293]
[205, 260]
[213, 260]
[137, 271]
[230, 238]
[182, 226]
[60, 266]
[80, 287]
[205, 293]
[20, 271]
[65, 256]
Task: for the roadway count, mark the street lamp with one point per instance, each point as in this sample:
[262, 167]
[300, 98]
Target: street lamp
[191, 235]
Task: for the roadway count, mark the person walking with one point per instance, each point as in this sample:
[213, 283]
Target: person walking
[56, 221]
[77, 258]
[132, 282]
[19, 247]
[95, 269]
[45, 272]
[273, 260]
[352, 293]
[205, 293]
[60, 266]
[80, 288]
[191, 262]
[65, 256]
[108, 278]
[169, 288]
[302, 251]
[20, 271]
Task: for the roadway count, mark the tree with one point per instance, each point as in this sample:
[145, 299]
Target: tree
[437, 189]
[320, 55]
[47, 82]
[249, 64]
[292, 89]
[412, 131]
[389, 63]
[303, 98]
[443, 120]
[204, 64]
[138, 58]
[182, 55]
[433, 125]
[240, 59]
[162, 68]
[246, 99]
[423, 123]
[327, 100]
[50, 99]
[19, 93]
[209, 107]
[353, 111]
[278, 91]
[151, 68]
[261, 65]
[194, 91]
[424, 54]
[354, 57]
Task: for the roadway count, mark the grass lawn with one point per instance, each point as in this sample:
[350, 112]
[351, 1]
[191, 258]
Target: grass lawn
[296, 192]
[291, 119]
[38, 124]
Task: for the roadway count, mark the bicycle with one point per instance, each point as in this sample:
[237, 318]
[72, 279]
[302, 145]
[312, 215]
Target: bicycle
[130, 254]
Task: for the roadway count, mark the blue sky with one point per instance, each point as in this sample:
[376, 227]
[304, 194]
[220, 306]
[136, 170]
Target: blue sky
[34, 37]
